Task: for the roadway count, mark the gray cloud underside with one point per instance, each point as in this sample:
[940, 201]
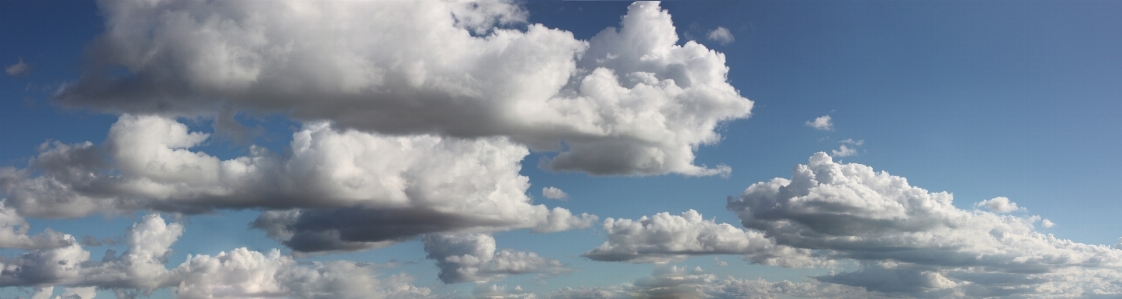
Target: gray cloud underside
[629, 101]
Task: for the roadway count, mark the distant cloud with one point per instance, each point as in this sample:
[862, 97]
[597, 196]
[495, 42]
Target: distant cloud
[664, 238]
[851, 141]
[844, 151]
[1047, 223]
[721, 35]
[237, 273]
[719, 262]
[999, 204]
[472, 257]
[915, 243]
[821, 123]
[680, 282]
[20, 68]
[554, 193]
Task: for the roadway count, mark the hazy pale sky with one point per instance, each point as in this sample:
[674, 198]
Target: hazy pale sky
[493, 149]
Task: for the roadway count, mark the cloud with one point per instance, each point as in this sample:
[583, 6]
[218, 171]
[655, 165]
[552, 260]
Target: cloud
[918, 238]
[821, 123]
[554, 193]
[844, 151]
[852, 142]
[13, 233]
[239, 273]
[679, 282]
[999, 204]
[721, 35]
[20, 68]
[351, 190]
[664, 238]
[630, 101]
[1047, 223]
[473, 258]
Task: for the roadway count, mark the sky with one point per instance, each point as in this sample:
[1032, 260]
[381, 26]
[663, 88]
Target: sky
[497, 149]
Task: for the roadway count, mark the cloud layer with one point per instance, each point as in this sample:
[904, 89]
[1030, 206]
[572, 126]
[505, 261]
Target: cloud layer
[629, 101]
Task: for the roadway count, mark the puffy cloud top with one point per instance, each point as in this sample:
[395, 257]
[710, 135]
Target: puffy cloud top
[629, 101]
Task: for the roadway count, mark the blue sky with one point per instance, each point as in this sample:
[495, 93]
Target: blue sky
[407, 145]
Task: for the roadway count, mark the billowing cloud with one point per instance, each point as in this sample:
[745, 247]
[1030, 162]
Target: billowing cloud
[821, 123]
[239, 273]
[918, 238]
[356, 190]
[999, 204]
[721, 35]
[473, 258]
[630, 101]
[17, 69]
[554, 193]
[666, 238]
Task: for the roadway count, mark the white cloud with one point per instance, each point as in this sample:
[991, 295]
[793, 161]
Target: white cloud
[1047, 223]
[852, 142]
[239, 273]
[999, 204]
[17, 69]
[666, 238]
[627, 102]
[554, 193]
[844, 151]
[918, 238]
[358, 190]
[13, 233]
[473, 258]
[721, 35]
[821, 123]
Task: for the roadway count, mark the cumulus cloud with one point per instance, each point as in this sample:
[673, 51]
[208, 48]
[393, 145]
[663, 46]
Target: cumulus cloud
[918, 238]
[999, 204]
[17, 69]
[630, 101]
[664, 238]
[721, 35]
[554, 193]
[1047, 223]
[13, 233]
[351, 190]
[239, 273]
[473, 258]
[844, 151]
[821, 123]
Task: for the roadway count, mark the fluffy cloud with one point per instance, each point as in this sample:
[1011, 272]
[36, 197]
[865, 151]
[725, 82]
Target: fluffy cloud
[356, 190]
[240, 273]
[917, 239]
[821, 123]
[721, 35]
[629, 101]
[844, 151]
[554, 193]
[999, 204]
[665, 238]
[473, 258]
